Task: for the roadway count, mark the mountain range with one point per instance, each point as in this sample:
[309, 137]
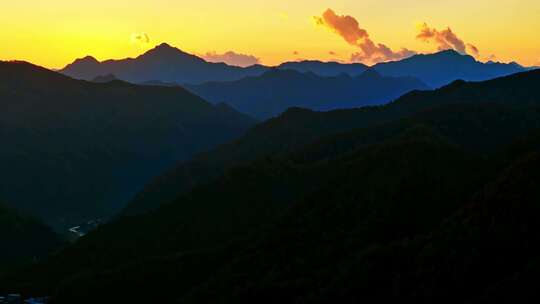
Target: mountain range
[309, 182]
[162, 63]
[298, 211]
[325, 69]
[298, 127]
[277, 90]
[439, 69]
[168, 64]
[265, 92]
[75, 150]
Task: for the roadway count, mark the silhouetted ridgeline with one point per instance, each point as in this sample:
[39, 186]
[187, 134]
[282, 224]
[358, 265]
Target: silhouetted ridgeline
[432, 198]
[163, 63]
[75, 150]
[298, 127]
[277, 90]
[444, 67]
[325, 69]
[265, 92]
[167, 64]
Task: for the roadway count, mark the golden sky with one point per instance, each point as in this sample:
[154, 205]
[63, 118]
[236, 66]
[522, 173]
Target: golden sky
[53, 33]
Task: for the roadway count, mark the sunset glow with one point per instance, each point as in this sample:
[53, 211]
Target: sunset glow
[54, 33]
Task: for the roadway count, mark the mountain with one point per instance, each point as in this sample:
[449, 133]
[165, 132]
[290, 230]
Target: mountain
[275, 230]
[23, 239]
[298, 127]
[485, 252]
[167, 64]
[277, 90]
[160, 83]
[163, 63]
[442, 68]
[351, 204]
[105, 78]
[75, 151]
[325, 69]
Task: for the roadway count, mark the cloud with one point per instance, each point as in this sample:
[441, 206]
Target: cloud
[349, 29]
[332, 53]
[445, 40]
[492, 57]
[232, 58]
[296, 53]
[141, 38]
[473, 49]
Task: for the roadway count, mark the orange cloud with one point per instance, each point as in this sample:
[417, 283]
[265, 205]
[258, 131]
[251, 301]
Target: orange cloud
[349, 29]
[446, 40]
[473, 49]
[232, 58]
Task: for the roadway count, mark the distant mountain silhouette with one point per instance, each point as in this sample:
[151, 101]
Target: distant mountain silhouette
[74, 150]
[163, 63]
[444, 67]
[167, 64]
[275, 91]
[325, 69]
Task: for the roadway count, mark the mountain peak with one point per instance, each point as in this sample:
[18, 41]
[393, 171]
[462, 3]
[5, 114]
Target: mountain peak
[164, 45]
[454, 55]
[87, 60]
[165, 51]
[163, 48]
[449, 52]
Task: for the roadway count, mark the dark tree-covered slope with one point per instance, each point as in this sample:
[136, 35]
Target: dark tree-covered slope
[298, 127]
[24, 239]
[310, 209]
[74, 150]
[434, 205]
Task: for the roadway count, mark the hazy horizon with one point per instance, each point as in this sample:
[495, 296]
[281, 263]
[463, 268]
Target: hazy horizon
[246, 32]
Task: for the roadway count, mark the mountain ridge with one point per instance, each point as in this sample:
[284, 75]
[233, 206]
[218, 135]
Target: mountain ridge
[59, 131]
[274, 91]
[441, 68]
[169, 64]
[299, 126]
[161, 63]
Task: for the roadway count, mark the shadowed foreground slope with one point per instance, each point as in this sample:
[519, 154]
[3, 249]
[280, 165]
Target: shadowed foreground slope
[425, 206]
[75, 150]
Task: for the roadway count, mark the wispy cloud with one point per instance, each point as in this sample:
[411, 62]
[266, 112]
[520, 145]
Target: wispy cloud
[232, 58]
[445, 40]
[349, 29]
[140, 38]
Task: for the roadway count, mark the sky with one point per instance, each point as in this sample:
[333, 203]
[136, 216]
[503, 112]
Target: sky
[53, 33]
